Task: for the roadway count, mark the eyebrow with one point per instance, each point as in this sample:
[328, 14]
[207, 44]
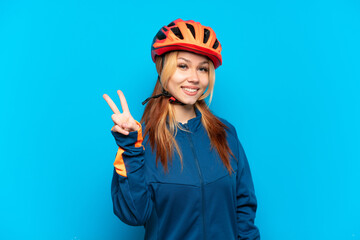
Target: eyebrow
[187, 60]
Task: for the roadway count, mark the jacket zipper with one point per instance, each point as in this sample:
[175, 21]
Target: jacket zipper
[201, 178]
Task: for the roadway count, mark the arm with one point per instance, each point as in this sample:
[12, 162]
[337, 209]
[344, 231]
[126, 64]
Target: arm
[246, 199]
[131, 198]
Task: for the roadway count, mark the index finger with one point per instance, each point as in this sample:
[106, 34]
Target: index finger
[111, 104]
[123, 102]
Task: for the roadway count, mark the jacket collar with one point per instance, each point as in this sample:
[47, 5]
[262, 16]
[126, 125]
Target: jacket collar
[194, 123]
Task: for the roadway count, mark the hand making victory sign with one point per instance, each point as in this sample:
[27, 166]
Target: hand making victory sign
[124, 122]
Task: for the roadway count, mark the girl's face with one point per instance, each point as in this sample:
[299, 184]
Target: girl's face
[190, 79]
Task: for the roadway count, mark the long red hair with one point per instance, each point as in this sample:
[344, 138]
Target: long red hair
[161, 126]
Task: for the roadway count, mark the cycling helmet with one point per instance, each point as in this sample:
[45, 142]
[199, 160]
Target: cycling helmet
[188, 36]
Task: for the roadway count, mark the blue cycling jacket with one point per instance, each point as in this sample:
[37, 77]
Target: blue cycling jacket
[201, 201]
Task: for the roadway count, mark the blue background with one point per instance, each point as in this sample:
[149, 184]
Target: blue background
[289, 83]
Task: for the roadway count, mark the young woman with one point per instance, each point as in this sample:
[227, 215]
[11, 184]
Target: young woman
[182, 172]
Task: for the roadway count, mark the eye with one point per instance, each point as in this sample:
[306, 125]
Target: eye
[182, 66]
[204, 69]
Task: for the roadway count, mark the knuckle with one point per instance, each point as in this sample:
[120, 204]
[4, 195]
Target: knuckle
[117, 128]
[115, 117]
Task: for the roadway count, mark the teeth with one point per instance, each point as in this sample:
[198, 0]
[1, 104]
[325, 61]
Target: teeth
[190, 89]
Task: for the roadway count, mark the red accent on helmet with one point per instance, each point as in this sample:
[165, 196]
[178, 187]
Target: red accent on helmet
[187, 36]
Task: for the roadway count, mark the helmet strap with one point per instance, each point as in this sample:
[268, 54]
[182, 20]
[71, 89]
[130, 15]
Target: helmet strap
[164, 93]
[162, 67]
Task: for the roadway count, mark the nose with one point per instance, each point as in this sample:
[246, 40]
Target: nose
[194, 76]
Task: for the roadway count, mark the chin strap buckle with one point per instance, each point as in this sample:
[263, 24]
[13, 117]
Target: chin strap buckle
[173, 100]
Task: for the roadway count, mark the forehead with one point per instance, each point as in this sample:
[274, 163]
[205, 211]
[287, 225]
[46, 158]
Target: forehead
[192, 57]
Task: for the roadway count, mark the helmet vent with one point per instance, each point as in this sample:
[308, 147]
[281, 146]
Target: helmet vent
[177, 32]
[171, 24]
[191, 28]
[216, 44]
[160, 35]
[164, 29]
[206, 35]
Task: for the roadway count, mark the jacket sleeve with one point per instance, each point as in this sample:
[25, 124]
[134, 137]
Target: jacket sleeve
[131, 198]
[245, 199]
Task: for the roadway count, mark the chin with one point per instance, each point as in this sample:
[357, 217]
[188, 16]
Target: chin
[190, 100]
[190, 103]
[187, 100]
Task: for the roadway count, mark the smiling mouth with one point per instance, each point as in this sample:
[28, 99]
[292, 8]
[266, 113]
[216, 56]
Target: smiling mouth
[190, 91]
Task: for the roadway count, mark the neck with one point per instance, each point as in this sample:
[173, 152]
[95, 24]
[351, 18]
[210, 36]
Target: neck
[183, 113]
